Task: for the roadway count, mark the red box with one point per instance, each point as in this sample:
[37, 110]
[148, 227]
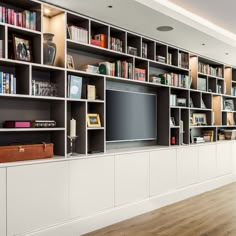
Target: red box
[17, 124]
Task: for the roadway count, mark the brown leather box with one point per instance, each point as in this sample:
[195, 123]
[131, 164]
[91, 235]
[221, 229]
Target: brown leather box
[26, 152]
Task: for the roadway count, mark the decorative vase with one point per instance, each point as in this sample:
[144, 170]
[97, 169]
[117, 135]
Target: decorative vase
[49, 49]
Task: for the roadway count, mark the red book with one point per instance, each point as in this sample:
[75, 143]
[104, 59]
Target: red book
[17, 124]
[95, 42]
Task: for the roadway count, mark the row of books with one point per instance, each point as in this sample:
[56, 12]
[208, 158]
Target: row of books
[177, 80]
[7, 83]
[144, 49]
[26, 19]
[116, 44]
[44, 88]
[210, 70]
[74, 86]
[78, 34]
[183, 60]
[122, 69]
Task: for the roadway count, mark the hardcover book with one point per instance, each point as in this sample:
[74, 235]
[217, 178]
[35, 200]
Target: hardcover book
[74, 86]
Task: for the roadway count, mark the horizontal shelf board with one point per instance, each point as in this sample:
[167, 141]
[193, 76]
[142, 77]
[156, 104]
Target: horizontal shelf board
[85, 100]
[22, 29]
[200, 109]
[174, 127]
[22, 96]
[179, 107]
[227, 96]
[95, 128]
[201, 126]
[43, 67]
[84, 73]
[30, 129]
[95, 49]
[233, 81]
[228, 111]
[225, 126]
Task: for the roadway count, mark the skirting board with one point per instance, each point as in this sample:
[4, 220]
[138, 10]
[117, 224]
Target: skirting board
[81, 226]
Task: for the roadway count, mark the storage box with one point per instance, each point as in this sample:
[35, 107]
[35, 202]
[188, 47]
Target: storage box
[25, 152]
[230, 134]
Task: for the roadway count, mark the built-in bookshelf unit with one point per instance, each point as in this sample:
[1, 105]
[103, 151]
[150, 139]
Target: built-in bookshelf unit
[195, 96]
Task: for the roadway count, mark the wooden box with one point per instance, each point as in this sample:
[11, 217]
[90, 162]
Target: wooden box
[25, 152]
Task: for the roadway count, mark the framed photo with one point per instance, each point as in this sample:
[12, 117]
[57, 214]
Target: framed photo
[93, 120]
[181, 102]
[22, 48]
[229, 105]
[70, 62]
[199, 119]
[172, 121]
[202, 84]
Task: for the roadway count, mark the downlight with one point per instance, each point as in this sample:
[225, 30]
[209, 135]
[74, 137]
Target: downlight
[165, 28]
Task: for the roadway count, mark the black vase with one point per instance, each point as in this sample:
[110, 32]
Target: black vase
[49, 49]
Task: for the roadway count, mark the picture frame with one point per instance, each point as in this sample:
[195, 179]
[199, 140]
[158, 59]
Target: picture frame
[172, 122]
[93, 120]
[202, 84]
[199, 119]
[70, 62]
[181, 102]
[229, 104]
[22, 48]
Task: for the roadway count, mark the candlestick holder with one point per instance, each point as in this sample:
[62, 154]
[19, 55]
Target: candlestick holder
[72, 144]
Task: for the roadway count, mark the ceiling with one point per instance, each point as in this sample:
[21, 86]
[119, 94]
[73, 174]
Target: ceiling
[193, 24]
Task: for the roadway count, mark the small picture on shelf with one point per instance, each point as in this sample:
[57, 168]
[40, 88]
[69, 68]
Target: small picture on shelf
[70, 62]
[93, 120]
[22, 48]
[199, 119]
[181, 102]
[172, 121]
[202, 84]
[229, 105]
[74, 86]
[91, 92]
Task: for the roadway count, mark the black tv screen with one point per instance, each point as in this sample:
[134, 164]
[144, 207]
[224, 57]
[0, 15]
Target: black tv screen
[130, 116]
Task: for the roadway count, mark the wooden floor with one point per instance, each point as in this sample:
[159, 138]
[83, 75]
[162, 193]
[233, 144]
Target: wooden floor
[209, 214]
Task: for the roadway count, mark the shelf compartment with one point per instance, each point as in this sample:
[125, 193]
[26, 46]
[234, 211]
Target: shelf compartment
[117, 40]
[49, 75]
[175, 113]
[161, 50]
[96, 141]
[141, 68]
[28, 109]
[52, 23]
[208, 115]
[207, 100]
[200, 131]
[212, 84]
[184, 133]
[148, 49]
[35, 137]
[97, 108]
[21, 72]
[34, 39]
[175, 133]
[172, 56]
[220, 86]
[228, 118]
[80, 23]
[77, 111]
[196, 99]
[183, 59]
[133, 44]
[2, 41]
[20, 6]
[99, 30]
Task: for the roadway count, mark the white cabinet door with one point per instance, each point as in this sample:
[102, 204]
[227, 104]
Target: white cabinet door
[162, 172]
[3, 202]
[187, 166]
[91, 185]
[233, 150]
[131, 177]
[207, 162]
[37, 196]
[224, 158]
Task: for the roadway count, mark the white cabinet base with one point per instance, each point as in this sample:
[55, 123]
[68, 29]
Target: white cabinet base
[3, 202]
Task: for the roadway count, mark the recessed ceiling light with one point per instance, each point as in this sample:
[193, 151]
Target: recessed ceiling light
[165, 28]
[226, 53]
[110, 6]
[203, 44]
[47, 11]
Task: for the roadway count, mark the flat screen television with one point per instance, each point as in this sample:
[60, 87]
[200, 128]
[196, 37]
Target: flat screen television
[130, 116]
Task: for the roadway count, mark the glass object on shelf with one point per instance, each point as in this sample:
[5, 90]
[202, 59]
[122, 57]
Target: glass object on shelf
[44, 88]
[49, 49]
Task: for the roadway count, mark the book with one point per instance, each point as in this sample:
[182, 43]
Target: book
[1, 49]
[74, 86]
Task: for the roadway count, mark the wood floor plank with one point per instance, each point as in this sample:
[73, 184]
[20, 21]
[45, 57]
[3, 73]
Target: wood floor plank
[209, 214]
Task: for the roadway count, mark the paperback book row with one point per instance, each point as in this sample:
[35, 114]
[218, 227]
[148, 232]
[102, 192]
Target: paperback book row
[116, 44]
[122, 69]
[26, 19]
[172, 79]
[210, 70]
[44, 88]
[183, 60]
[78, 34]
[7, 83]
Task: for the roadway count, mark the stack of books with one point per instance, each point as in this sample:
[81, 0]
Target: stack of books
[140, 74]
[160, 59]
[132, 51]
[198, 140]
[144, 49]
[26, 19]
[90, 69]
[116, 44]
[7, 83]
[183, 60]
[121, 69]
[78, 34]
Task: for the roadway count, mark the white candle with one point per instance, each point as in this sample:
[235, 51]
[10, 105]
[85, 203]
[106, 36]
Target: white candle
[73, 128]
